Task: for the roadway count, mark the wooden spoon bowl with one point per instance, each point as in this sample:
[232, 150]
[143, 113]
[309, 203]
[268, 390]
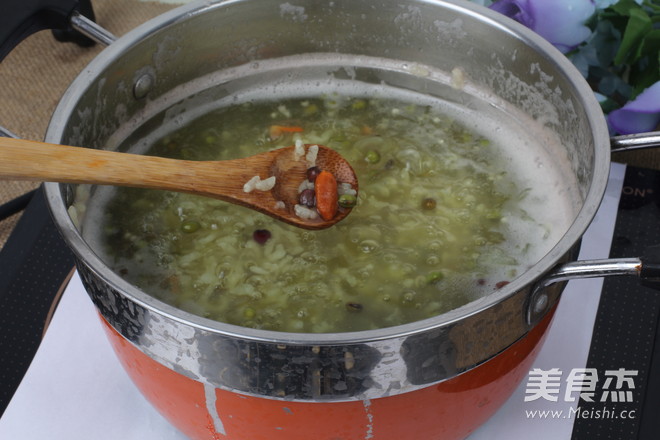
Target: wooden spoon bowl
[31, 160]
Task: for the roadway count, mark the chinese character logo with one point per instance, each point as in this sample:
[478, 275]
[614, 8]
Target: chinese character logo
[582, 381]
[624, 385]
[618, 385]
[543, 384]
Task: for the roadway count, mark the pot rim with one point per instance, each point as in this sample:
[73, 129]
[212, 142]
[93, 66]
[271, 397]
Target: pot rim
[592, 200]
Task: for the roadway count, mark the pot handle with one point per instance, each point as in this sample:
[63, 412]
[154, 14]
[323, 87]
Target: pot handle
[647, 269]
[21, 18]
[635, 141]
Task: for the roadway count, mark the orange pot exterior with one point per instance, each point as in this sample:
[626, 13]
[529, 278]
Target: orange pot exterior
[449, 410]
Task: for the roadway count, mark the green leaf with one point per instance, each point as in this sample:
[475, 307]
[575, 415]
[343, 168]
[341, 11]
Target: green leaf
[639, 24]
[651, 44]
[652, 6]
[644, 78]
[624, 7]
[646, 72]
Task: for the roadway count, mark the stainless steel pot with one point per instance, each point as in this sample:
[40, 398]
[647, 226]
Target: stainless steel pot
[208, 51]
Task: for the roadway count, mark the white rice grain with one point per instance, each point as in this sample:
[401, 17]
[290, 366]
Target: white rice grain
[258, 270]
[258, 184]
[305, 184]
[304, 212]
[346, 188]
[312, 152]
[266, 184]
[299, 149]
[284, 111]
[251, 184]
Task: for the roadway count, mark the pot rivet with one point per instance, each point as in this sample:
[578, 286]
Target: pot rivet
[143, 86]
[541, 303]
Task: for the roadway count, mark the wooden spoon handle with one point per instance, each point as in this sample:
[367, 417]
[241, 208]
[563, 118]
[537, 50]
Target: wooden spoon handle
[32, 160]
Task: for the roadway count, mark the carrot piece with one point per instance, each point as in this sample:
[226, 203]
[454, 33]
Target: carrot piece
[366, 130]
[291, 129]
[325, 188]
[276, 131]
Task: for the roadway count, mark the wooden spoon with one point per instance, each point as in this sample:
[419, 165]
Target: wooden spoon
[31, 160]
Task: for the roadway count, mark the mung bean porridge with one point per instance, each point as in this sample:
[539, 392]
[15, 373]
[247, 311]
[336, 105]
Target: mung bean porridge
[447, 212]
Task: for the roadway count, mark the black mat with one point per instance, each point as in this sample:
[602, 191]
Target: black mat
[626, 328]
[33, 265]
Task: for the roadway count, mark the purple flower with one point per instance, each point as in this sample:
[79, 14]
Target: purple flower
[561, 22]
[639, 115]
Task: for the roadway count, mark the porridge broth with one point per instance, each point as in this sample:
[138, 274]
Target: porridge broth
[448, 211]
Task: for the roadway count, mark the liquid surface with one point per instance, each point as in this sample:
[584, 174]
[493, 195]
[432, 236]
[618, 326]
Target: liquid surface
[449, 210]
